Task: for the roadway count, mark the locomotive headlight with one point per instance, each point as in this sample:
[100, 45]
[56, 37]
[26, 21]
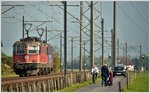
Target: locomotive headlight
[26, 57]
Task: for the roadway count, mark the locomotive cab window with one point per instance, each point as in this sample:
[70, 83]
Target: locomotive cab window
[33, 50]
[20, 49]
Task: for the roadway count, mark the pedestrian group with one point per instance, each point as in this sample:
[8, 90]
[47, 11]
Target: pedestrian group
[106, 74]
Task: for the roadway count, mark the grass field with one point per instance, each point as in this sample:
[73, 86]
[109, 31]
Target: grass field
[140, 84]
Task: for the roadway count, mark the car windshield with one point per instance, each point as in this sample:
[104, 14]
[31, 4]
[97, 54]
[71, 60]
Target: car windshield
[119, 68]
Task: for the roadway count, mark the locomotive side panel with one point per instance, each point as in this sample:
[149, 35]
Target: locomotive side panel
[43, 54]
[32, 58]
[19, 58]
[19, 50]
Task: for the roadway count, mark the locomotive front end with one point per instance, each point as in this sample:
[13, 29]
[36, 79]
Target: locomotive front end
[31, 57]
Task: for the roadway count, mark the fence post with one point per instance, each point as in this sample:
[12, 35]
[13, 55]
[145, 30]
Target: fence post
[33, 87]
[61, 83]
[22, 87]
[57, 84]
[48, 85]
[11, 88]
[127, 80]
[71, 79]
[51, 85]
[17, 88]
[38, 87]
[43, 85]
[119, 86]
[134, 74]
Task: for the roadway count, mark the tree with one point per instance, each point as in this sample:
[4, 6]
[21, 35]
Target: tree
[136, 63]
[145, 62]
[56, 61]
[7, 60]
[5, 69]
[7, 63]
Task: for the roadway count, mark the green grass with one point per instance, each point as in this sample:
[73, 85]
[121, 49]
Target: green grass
[76, 86]
[8, 75]
[140, 84]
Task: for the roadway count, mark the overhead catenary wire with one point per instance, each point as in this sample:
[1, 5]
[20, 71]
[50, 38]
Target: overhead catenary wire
[139, 13]
[141, 29]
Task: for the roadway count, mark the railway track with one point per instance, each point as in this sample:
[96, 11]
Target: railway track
[44, 83]
[17, 77]
[13, 80]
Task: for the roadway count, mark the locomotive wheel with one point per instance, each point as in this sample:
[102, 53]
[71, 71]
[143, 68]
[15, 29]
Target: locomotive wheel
[42, 71]
[49, 71]
[39, 73]
[26, 74]
[46, 72]
[20, 75]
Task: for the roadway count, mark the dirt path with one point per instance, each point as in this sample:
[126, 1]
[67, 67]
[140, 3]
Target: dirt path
[99, 88]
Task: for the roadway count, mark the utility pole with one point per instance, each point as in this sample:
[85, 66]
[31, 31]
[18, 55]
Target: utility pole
[141, 65]
[118, 48]
[72, 54]
[126, 54]
[92, 38]
[46, 34]
[60, 52]
[112, 46]
[123, 53]
[23, 27]
[1, 44]
[81, 9]
[140, 50]
[114, 36]
[65, 37]
[84, 56]
[102, 41]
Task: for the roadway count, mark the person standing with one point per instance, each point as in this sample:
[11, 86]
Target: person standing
[110, 79]
[104, 74]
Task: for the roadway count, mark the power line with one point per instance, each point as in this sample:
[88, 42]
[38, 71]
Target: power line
[131, 19]
[139, 13]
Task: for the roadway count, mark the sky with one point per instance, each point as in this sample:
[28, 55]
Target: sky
[132, 24]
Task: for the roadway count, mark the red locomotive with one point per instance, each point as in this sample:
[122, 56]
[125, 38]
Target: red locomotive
[32, 56]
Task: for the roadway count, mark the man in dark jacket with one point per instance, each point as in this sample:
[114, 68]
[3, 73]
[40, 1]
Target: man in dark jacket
[104, 74]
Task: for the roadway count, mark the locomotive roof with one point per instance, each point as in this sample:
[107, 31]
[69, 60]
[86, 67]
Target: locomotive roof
[32, 40]
[35, 39]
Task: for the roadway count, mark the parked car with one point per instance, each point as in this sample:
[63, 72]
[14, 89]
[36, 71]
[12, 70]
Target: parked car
[119, 71]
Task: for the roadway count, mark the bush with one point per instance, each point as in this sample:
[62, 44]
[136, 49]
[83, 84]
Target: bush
[5, 69]
[56, 64]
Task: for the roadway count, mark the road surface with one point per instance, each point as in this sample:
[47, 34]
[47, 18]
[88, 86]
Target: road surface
[99, 88]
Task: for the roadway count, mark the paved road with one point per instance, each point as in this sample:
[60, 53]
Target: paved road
[99, 88]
